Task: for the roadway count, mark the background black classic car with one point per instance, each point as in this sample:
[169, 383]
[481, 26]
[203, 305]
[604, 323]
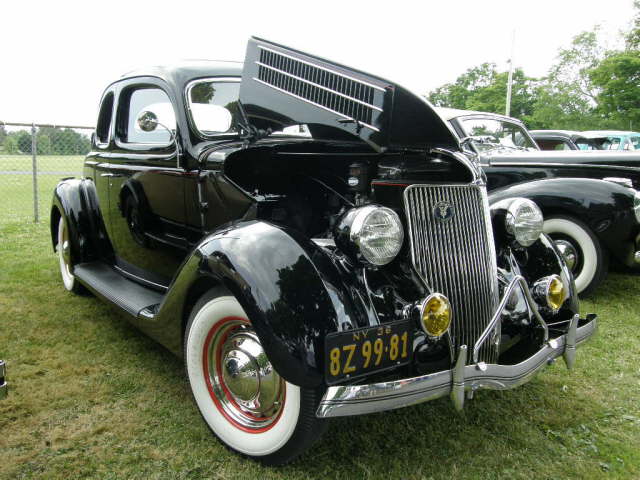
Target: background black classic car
[313, 242]
[585, 141]
[589, 220]
[565, 140]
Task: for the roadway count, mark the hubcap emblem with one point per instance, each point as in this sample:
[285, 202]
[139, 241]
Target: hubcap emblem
[443, 211]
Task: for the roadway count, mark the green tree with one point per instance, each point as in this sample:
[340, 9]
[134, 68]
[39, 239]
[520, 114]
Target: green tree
[483, 88]
[618, 78]
[633, 37]
[3, 134]
[23, 139]
[457, 94]
[11, 145]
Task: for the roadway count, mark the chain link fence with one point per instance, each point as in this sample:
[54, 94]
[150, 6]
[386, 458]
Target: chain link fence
[33, 159]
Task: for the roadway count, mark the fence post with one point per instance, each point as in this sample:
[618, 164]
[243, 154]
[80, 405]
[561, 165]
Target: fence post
[34, 169]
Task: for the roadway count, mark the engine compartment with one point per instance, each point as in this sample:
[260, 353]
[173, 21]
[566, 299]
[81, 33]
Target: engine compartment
[308, 186]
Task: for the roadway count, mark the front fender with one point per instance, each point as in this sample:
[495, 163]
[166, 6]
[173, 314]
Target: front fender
[77, 200]
[607, 208]
[288, 286]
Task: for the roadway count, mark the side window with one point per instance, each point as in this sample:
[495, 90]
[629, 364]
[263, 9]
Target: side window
[104, 118]
[154, 100]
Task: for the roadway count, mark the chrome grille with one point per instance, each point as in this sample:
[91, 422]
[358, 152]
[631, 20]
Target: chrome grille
[456, 256]
[346, 96]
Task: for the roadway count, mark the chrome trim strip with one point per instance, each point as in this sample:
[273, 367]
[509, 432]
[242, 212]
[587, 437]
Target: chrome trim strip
[316, 104]
[318, 85]
[349, 400]
[139, 279]
[363, 82]
[493, 163]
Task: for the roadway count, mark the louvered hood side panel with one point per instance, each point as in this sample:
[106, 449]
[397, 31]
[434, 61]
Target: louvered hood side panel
[282, 86]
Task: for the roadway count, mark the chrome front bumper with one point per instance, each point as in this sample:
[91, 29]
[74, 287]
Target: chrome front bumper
[3, 380]
[463, 379]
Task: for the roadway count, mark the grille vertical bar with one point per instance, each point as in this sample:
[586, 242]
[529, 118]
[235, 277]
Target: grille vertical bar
[456, 256]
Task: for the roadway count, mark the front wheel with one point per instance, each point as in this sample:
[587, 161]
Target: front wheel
[581, 250]
[241, 397]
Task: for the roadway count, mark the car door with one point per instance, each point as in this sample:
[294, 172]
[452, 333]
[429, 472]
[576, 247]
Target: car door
[146, 186]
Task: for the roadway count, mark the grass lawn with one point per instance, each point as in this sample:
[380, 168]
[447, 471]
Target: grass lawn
[16, 183]
[91, 397]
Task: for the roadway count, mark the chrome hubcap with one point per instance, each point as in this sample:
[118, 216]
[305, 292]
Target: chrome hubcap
[247, 388]
[66, 251]
[568, 252]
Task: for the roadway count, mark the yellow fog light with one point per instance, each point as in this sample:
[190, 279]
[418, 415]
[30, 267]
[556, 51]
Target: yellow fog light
[435, 316]
[550, 292]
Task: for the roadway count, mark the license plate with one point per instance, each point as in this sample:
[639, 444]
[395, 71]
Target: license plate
[359, 352]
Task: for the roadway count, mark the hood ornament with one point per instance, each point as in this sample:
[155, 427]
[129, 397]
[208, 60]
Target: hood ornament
[443, 211]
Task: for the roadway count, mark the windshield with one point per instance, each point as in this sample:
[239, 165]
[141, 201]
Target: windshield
[490, 133]
[608, 143]
[214, 109]
[214, 106]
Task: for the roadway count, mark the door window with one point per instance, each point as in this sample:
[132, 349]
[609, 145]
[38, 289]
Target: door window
[156, 101]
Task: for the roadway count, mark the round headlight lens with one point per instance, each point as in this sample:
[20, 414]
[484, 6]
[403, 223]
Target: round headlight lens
[636, 205]
[435, 316]
[524, 221]
[551, 292]
[378, 233]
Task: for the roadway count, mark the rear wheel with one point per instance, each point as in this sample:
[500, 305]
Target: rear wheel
[581, 250]
[241, 397]
[64, 258]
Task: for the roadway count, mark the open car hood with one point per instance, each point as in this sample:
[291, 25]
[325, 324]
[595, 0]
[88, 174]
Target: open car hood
[282, 87]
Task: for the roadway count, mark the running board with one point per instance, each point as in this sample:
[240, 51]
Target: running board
[126, 294]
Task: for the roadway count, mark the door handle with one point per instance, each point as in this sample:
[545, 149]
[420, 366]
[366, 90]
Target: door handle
[111, 175]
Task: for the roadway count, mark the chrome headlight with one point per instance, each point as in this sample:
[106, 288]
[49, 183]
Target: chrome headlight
[371, 233]
[524, 221]
[636, 205]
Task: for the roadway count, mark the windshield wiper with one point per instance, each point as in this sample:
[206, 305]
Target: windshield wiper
[248, 132]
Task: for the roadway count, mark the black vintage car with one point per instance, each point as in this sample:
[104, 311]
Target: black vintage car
[313, 242]
[591, 208]
[564, 140]
[586, 141]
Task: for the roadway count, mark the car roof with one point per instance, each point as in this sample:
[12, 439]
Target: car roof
[568, 133]
[604, 133]
[181, 72]
[451, 113]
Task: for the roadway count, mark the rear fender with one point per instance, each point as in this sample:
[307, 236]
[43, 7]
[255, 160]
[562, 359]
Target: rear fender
[77, 201]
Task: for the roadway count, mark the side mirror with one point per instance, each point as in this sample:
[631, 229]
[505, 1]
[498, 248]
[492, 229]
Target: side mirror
[147, 121]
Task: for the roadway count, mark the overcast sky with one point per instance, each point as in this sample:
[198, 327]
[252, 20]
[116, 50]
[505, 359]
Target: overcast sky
[57, 56]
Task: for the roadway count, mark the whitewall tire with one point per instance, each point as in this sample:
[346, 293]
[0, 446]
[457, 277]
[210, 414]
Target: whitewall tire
[586, 258]
[241, 397]
[63, 248]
